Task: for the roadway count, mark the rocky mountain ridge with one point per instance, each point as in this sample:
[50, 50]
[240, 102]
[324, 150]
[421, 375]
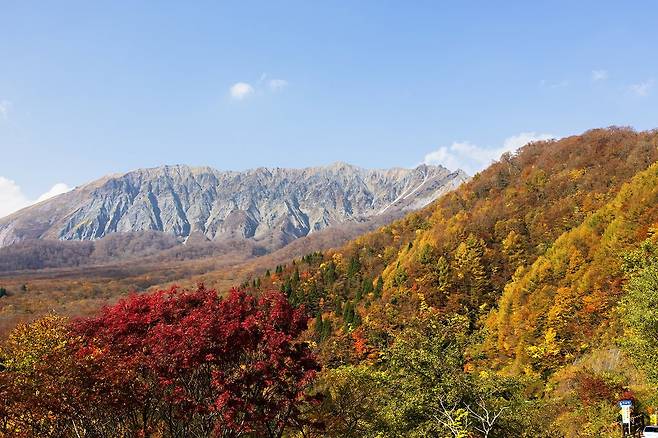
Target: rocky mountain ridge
[270, 205]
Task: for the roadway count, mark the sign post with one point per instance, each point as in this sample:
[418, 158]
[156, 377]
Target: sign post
[626, 408]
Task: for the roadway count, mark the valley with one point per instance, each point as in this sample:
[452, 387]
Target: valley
[76, 277]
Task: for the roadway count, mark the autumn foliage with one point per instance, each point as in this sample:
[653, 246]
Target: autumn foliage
[174, 363]
[496, 311]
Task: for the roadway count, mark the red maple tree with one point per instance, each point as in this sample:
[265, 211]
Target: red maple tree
[192, 362]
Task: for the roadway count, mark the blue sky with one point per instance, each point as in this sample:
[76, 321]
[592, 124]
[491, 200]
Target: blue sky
[91, 88]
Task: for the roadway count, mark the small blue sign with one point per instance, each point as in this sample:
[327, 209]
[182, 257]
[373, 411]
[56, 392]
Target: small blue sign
[623, 403]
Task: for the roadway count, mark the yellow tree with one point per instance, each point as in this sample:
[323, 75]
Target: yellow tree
[26, 403]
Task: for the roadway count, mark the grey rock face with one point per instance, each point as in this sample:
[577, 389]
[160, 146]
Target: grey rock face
[259, 203]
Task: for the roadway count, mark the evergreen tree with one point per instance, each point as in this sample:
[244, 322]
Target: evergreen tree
[295, 277]
[400, 278]
[442, 274]
[326, 329]
[426, 254]
[316, 293]
[338, 307]
[356, 319]
[365, 289]
[330, 273]
[348, 314]
[354, 266]
[319, 326]
[287, 288]
[379, 287]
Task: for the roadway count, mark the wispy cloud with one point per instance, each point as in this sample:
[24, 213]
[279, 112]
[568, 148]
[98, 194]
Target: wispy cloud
[5, 107]
[13, 199]
[599, 75]
[241, 90]
[642, 89]
[472, 158]
[277, 84]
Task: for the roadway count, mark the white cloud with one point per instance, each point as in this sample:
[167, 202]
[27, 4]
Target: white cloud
[5, 106]
[599, 75]
[241, 90]
[55, 190]
[642, 89]
[13, 199]
[277, 84]
[472, 158]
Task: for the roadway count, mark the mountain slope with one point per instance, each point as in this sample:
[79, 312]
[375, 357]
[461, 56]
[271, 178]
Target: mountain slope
[271, 205]
[529, 254]
[458, 255]
[551, 311]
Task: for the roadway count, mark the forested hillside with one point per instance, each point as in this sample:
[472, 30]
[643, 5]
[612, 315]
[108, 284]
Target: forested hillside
[458, 255]
[496, 311]
[551, 310]
[529, 253]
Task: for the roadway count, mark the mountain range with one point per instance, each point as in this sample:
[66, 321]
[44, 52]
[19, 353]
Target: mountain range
[271, 206]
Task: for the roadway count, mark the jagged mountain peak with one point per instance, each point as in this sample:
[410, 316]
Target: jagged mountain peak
[261, 203]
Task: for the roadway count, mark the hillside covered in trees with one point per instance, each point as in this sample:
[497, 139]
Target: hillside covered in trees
[521, 304]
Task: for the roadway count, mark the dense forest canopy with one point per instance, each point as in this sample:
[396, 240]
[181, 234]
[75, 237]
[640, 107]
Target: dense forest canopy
[496, 311]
